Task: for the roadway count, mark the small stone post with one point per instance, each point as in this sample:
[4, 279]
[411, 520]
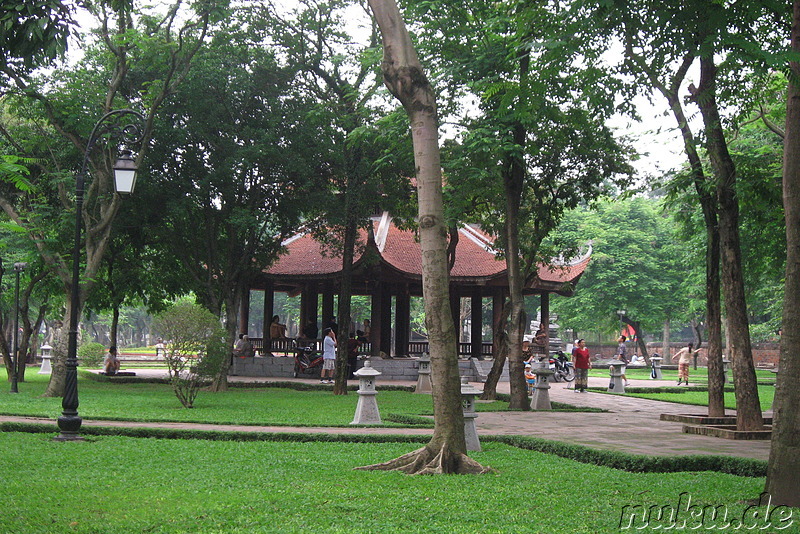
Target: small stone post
[656, 362]
[468, 392]
[46, 369]
[725, 367]
[616, 370]
[772, 407]
[367, 408]
[541, 390]
[424, 384]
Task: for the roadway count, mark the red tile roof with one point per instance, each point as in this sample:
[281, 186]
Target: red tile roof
[475, 258]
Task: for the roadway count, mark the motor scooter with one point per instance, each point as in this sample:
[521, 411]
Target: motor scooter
[306, 361]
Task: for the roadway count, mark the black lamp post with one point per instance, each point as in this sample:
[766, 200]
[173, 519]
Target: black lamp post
[124, 181]
[621, 314]
[18, 268]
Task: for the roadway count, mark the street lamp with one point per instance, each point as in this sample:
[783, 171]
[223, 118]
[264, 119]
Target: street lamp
[18, 268]
[124, 180]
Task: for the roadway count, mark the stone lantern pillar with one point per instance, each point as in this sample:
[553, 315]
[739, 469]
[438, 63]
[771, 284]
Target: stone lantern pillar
[46, 368]
[424, 384]
[725, 368]
[367, 408]
[468, 393]
[616, 370]
[541, 390]
[656, 362]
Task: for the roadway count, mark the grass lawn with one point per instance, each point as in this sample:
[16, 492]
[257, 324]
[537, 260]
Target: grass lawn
[248, 406]
[700, 378]
[116, 484]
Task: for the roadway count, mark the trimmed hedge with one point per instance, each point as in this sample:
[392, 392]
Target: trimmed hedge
[558, 406]
[745, 467]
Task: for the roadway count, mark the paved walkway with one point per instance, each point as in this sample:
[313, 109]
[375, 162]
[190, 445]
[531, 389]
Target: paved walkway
[632, 425]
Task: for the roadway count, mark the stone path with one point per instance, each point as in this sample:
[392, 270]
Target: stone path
[632, 425]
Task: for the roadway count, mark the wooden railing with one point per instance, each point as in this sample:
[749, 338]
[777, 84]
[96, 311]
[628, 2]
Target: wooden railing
[288, 347]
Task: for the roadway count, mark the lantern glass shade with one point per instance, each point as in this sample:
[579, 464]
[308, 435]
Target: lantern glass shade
[124, 173]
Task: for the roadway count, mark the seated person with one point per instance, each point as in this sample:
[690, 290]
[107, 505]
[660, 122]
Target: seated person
[244, 347]
[111, 362]
[276, 329]
[527, 354]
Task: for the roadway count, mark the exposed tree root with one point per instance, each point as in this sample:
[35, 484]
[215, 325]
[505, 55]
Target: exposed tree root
[427, 461]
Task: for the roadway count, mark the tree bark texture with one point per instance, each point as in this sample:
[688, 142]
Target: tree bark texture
[748, 408]
[403, 75]
[513, 180]
[708, 203]
[783, 470]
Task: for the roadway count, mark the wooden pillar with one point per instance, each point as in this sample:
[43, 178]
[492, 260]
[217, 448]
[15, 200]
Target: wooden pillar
[244, 312]
[545, 312]
[476, 330]
[402, 319]
[455, 309]
[269, 303]
[308, 305]
[376, 326]
[327, 307]
[498, 301]
[385, 341]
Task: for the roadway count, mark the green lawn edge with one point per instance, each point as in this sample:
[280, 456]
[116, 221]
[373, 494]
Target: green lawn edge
[745, 467]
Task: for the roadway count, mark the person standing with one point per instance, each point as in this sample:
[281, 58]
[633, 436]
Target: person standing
[621, 356]
[353, 346]
[328, 357]
[582, 364]
[683, 356]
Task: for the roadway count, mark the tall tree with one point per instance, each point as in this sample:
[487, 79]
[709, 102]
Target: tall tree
[341, 74]
[248, 159]
[403, 75]
[784, 462]
[637, 265]
[169, 42]
[662, 43]
[539, 145]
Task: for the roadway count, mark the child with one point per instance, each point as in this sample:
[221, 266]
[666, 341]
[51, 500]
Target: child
[530, 378]
[328, 357]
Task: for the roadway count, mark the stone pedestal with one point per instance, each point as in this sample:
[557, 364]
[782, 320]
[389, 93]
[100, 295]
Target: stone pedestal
[541, 390]
[468, 393]
[776, 388]
[616, 370]
[367, 408]
[656, 363]
[725, 368]
[46, 368]
[424, 384]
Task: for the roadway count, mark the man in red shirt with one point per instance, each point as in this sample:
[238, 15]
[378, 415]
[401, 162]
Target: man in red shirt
[582, 364]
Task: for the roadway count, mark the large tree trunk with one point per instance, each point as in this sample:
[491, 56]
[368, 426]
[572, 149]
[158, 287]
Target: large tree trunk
[708, 203]
[233, 303]
[345, 294]
[403, 75]
[748, 408]
[513, 180]
[783, 471]
[500, 352]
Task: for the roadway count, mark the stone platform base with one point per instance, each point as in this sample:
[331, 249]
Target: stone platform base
[696, 419]
[727, 432]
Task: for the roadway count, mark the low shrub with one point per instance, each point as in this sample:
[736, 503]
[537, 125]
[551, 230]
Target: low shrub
[91, 354]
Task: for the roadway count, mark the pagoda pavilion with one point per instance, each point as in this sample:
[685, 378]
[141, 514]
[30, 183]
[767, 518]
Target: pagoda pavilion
[388, 268]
